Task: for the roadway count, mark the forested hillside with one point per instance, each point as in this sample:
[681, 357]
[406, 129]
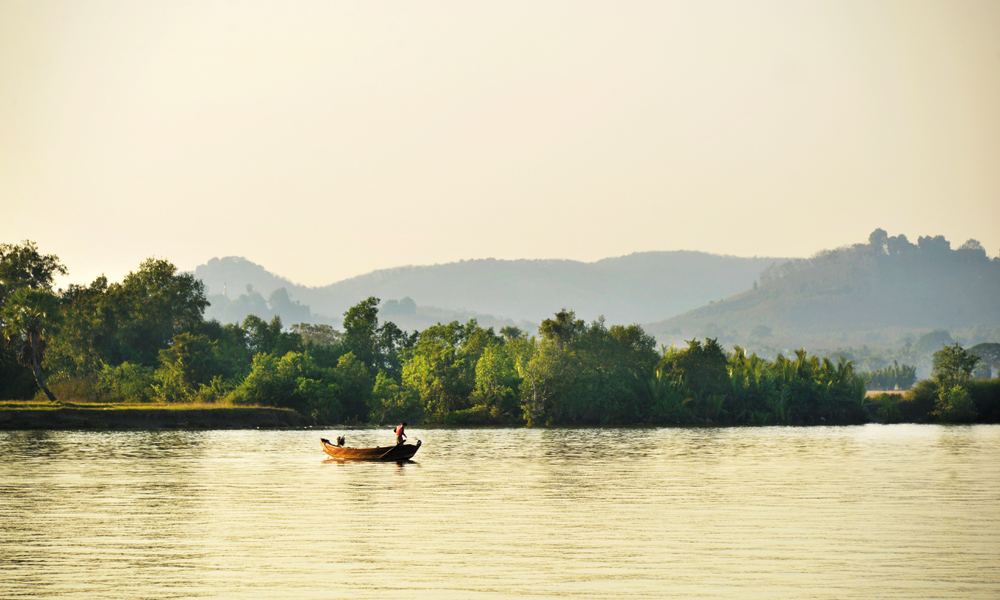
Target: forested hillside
[640, 287]
[880, 293]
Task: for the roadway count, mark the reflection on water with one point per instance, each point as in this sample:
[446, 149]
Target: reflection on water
[902, 511]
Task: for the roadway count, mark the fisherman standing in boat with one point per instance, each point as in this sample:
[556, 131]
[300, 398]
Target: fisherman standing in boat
[400, 434]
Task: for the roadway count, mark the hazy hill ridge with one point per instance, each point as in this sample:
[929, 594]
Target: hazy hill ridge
[640, 287]
[866, 293]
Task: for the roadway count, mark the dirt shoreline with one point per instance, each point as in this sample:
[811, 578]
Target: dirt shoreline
[146, 418]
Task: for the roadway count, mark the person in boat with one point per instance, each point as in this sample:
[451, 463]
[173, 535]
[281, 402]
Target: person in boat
[400, 434]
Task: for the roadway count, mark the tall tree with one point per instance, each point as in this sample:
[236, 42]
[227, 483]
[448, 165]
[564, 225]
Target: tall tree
[188, 363]
[704, 368]
[953, 365]
[563, 329]
[497, 381]
[154, 304]
[879, 242]
[87, 340]
[129, 321]
[269, 338]
[543, 367]
[441, 366]
[361, 331]
[30, 316]
[22, 265]
[377, 347]
[436, 369]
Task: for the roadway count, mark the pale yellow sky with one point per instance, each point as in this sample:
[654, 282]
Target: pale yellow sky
[327, 139]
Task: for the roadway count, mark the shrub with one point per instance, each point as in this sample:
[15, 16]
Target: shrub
[918, 404]
[888, 408]
[954, 405]
[477, 415]
[126, 383]
[986, 396]
[216, 390]
[74, 389]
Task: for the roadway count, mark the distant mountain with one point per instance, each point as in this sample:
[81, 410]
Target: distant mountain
[876, 294]
[640, 287]
[886, 293]
[236, 288]
[231, 276]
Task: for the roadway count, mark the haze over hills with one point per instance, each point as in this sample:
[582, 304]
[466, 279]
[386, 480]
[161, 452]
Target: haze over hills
[887, 293]
[640, 287]
[881, 293]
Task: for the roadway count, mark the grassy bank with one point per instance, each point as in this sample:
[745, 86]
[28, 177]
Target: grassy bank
[20, 415]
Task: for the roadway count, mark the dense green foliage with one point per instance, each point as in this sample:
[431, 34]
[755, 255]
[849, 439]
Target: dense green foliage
[129, 321]
[952, 372]
[800, 390]
[30, 318]
[27, 316]
[145, 339]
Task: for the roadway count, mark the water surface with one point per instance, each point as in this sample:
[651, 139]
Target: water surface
[901, 511]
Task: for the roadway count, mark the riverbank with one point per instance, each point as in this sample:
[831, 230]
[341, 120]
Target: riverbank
[22, 415]
[914, 406]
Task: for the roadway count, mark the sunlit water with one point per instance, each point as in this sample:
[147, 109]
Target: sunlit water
[900, 511]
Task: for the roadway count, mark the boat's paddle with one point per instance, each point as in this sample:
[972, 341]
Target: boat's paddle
[393, 448]
[388, 451]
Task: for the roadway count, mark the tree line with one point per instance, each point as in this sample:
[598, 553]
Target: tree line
[145, 339]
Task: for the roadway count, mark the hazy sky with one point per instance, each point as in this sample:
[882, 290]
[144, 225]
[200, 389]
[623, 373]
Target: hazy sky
[327, 139]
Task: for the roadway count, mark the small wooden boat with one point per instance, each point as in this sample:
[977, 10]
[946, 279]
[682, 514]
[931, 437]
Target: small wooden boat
[390, 453]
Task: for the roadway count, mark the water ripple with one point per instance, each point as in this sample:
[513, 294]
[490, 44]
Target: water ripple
[903, 511]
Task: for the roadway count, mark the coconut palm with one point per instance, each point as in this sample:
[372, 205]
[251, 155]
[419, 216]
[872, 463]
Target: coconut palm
[29, 318]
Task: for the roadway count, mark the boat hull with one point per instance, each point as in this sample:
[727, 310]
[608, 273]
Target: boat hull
[387, 453]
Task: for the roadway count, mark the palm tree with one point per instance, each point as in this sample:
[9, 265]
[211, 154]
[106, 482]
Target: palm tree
[29, 317]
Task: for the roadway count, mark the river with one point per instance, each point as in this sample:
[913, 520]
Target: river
[899, 511]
